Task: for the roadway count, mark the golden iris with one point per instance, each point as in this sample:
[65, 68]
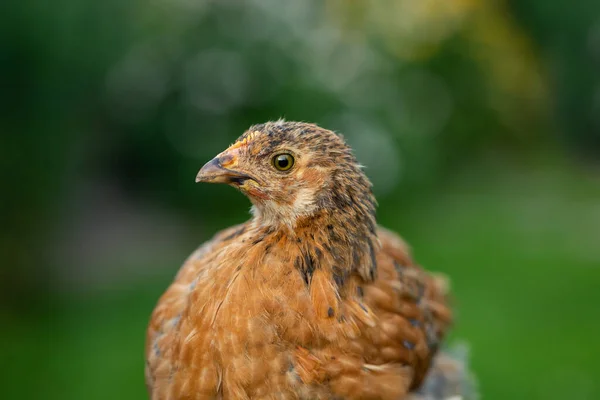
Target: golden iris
[283, 162]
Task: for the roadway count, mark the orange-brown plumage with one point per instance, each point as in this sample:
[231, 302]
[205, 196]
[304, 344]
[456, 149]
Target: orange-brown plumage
[310, 299]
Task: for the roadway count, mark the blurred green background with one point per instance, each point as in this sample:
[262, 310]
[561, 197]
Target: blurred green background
[478, 120]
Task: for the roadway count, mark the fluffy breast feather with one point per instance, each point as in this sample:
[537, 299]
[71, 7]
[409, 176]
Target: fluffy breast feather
[241, 321]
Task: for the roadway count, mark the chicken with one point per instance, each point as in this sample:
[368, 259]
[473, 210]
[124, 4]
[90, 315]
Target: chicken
[309, 299]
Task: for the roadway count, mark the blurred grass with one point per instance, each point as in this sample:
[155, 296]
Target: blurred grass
[519, 247]
[517, 243]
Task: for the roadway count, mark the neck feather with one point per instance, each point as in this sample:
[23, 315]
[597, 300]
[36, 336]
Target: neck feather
[339, 237]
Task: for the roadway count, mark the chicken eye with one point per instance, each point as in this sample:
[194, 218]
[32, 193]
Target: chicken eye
[283, 162]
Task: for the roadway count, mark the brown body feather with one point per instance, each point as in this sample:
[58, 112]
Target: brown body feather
[306, 301]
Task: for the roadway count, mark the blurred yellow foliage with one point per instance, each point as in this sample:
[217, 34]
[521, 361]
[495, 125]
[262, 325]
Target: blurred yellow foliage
[410, 29]
[416, 31]
[507, 58]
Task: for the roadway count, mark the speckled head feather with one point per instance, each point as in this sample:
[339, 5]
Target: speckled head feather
[324, 187]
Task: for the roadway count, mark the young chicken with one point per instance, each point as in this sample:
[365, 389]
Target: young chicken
[310, 299]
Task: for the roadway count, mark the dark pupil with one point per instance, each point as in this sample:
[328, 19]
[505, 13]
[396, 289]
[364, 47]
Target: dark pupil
[282, 162]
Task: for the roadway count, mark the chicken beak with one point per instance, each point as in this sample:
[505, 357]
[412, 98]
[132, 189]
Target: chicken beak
[214, 172]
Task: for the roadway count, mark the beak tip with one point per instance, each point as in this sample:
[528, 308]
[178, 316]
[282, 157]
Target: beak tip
[214, 172]
[211, 168]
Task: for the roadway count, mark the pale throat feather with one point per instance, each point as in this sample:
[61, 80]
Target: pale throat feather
[285, 215]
